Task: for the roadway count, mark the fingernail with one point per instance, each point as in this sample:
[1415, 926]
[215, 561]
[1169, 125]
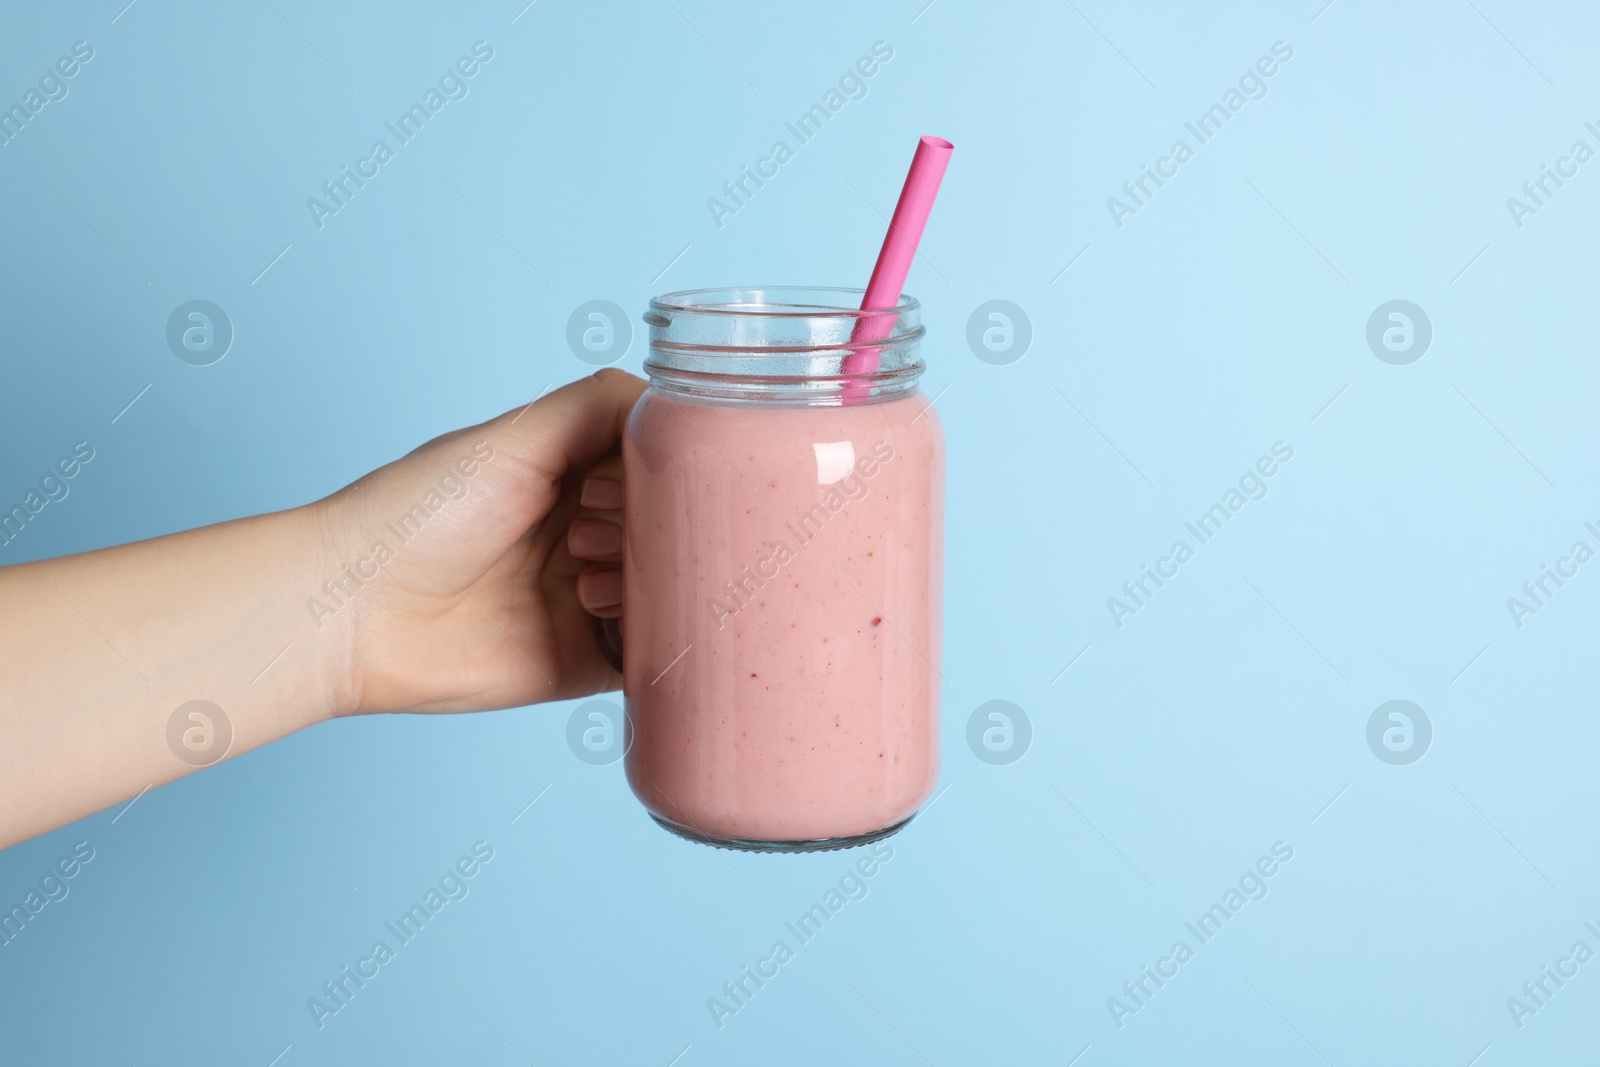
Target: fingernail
[594, 538]
[602, 494]
[600, 589]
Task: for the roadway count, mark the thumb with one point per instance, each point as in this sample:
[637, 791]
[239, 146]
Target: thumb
[573, 426]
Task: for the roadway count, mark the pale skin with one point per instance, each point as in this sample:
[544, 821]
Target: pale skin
[487, 597]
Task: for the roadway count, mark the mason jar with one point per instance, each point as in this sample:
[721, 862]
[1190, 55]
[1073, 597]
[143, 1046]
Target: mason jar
[783, 559]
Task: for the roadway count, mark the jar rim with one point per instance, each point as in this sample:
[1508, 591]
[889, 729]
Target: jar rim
[736, 300]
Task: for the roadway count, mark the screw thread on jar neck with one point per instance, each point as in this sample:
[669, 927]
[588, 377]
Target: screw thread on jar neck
[779, 345]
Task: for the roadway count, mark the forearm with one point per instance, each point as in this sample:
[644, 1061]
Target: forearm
[99, 651]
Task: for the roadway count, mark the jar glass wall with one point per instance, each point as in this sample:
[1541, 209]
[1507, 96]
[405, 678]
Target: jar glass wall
[783, 563]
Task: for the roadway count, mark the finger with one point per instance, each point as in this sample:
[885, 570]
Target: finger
[600, 591]
[597, 540]
[574, 426]
[602, 488]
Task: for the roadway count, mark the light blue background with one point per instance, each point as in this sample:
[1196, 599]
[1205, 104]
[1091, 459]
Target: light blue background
[1225, 716]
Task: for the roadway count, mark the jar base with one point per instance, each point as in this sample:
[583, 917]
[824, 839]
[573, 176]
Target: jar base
[822, 844]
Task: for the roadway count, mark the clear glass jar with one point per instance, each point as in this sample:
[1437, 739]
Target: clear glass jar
[784, 529]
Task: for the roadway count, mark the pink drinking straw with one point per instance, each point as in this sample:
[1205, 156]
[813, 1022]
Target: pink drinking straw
[894, 260]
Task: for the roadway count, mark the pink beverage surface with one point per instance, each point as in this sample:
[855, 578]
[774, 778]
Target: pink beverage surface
[781, 618]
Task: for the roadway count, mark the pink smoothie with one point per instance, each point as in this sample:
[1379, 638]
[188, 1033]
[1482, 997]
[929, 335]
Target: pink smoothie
[782, 614]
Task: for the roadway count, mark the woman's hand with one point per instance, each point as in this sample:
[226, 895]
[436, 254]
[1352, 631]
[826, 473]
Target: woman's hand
[469, 574]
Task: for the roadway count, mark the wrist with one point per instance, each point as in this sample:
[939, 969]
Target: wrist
[328, 609]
